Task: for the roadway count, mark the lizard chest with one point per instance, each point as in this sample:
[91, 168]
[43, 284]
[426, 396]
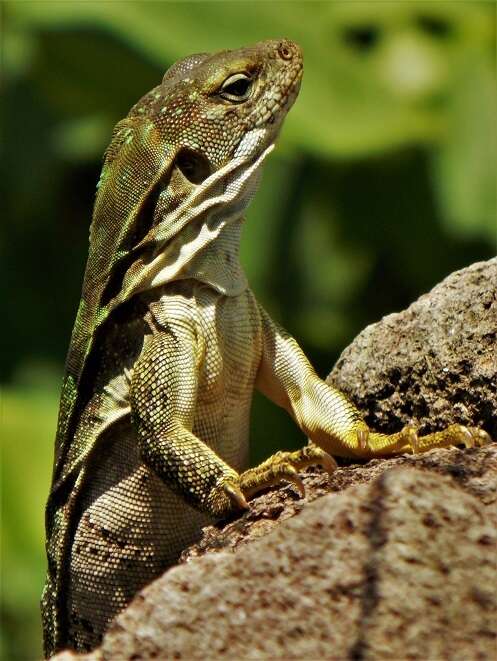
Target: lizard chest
[229, 349]
[228, 342]
[230, 327]
[231, 332]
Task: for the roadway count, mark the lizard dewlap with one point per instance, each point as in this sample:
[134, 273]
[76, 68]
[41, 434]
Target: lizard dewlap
[169, 343]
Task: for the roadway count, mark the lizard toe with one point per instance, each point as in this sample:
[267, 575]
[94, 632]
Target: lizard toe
[480, 436]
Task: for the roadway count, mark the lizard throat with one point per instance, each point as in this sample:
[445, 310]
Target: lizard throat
[200, 239]
[218, 263]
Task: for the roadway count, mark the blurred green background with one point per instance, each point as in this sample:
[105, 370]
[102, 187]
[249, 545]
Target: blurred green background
[383, 183]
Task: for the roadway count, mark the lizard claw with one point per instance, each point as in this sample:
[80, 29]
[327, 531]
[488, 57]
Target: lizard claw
[362, 438]
[410, 433]
[312, 455]
[463, 435]
[291, 475]
[236, 496]
[328, 463]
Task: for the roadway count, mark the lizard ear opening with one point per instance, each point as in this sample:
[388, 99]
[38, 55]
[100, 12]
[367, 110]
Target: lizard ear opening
[194, 166]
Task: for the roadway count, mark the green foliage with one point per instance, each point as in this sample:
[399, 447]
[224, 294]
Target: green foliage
[28, 426]
[383, 183]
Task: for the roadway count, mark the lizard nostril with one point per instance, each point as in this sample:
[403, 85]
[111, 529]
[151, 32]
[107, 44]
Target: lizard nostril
[284, 51]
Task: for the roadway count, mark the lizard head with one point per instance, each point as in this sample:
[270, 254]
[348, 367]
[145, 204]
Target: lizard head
[207, 104]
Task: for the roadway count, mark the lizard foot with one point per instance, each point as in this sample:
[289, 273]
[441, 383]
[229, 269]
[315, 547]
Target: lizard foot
[408, 440]
[452, 435]
[284, 466]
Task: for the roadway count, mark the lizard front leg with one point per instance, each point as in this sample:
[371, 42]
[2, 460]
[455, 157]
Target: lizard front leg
[163, 400]
[325, 414]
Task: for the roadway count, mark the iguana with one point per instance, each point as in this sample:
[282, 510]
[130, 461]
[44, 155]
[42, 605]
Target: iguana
[169, 343]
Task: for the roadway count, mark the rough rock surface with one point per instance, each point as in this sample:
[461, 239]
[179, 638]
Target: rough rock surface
[399, 561]
[394, 559]
[474, 470]
[434, 363]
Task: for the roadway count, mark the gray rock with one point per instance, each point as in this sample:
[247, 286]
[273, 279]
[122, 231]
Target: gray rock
[403, 566]
[434, 363]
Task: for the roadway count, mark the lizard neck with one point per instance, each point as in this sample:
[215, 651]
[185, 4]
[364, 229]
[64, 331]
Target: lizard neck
[200, 238]
[218, 263]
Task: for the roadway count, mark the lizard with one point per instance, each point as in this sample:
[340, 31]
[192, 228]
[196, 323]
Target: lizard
[169, 343]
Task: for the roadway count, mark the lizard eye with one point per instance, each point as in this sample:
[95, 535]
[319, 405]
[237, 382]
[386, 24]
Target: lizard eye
[236, 88]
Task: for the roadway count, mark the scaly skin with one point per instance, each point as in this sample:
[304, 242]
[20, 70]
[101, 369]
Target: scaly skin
[169, 344]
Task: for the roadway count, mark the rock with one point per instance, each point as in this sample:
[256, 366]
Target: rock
[403, 566]
[434, 363]
[474, 470]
